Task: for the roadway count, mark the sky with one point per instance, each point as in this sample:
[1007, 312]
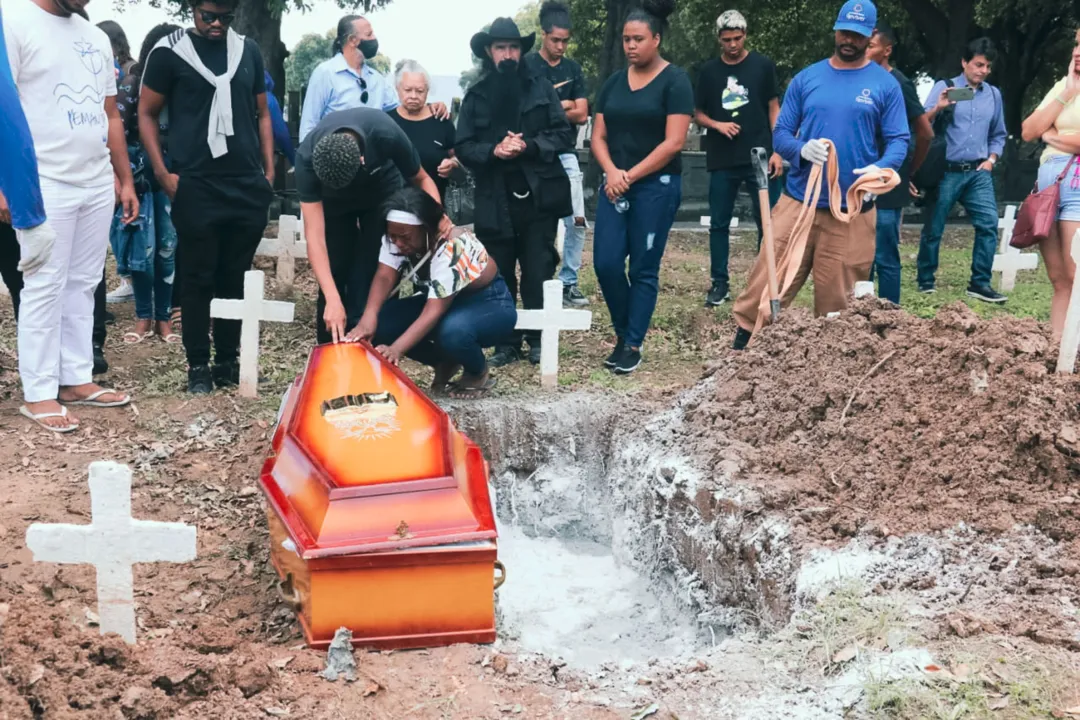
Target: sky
[433, 32]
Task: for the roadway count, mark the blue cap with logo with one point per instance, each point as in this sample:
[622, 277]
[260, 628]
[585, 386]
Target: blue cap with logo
[857, 16]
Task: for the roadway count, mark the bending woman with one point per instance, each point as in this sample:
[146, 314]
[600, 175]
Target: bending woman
[1057, 123]
[642, 115]
[461, 304]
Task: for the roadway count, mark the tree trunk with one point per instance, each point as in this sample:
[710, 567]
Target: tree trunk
[257, 20]
[613, 58]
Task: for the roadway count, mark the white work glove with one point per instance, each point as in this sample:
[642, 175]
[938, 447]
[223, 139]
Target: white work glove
[815, 152]
[868, 170]
[35, 247]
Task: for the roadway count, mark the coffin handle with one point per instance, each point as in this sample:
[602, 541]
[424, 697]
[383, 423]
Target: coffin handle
[288, 594]
[502, 574]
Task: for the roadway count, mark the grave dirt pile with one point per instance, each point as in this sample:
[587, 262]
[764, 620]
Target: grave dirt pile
[881, 422]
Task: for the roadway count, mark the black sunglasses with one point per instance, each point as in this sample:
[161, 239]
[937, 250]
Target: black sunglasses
[363, 90]
[210, 18]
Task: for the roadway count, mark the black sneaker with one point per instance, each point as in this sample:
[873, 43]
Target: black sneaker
[928, 289]
[742, 338]
[504, 355]
[628, 361]
[199, 380]
[718, 295]
[534, 354]
[572, 296]
[986, 294]
[101, 365]
[226, 375]
[613, 358]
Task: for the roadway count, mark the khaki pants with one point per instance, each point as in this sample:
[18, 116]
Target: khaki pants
[839, 254]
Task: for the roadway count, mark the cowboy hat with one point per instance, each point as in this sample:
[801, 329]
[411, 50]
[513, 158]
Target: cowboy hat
[502, 29]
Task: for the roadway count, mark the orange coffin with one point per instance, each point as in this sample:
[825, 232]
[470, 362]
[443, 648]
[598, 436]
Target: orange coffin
[379, 514]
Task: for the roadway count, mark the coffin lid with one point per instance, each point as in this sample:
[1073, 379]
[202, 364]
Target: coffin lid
[362, 461]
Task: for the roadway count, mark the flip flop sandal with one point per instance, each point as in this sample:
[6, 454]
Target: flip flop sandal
[41, 417]
[457, 392]
[92, 400]
[134, 338]
[172, 339]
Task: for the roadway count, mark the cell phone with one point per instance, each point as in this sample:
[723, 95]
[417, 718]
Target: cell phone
[959, 94]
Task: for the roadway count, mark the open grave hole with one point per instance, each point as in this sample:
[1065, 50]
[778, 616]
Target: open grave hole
[610, 559]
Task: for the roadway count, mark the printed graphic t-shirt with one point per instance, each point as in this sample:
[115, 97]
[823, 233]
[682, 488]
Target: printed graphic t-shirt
[636, 120]
[1068, 120]
[740, 94]
[64, 70]
[567, 76]
[454, 264]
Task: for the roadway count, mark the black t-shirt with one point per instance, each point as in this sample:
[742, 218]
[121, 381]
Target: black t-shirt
[433, 140]
[740, 94]
[567, 77]
[389, 159]
[900, 197]
[636, 121]
[189, 99]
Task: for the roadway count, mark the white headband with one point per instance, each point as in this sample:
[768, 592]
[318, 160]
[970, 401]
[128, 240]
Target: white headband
[404, 218]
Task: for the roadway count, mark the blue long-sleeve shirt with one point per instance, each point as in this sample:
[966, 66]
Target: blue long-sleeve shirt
[18, 163]
[978, 126]
[277, 119]
[334, 86]
[858, 110]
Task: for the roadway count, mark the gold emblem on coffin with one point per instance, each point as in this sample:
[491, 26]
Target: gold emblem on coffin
[366, 416]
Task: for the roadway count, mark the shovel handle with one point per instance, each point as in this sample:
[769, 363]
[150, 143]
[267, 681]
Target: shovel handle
[759, 158]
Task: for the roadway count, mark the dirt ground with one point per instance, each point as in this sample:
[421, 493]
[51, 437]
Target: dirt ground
[963, 421]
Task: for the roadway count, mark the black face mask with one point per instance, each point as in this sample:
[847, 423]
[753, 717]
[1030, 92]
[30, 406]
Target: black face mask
[508, 67]
[369, 48]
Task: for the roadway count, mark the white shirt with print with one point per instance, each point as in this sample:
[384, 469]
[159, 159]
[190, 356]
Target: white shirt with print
[63, 68]
[455, 263]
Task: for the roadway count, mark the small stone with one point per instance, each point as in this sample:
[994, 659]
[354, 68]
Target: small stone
[132, 697]
[499, 663]
[668, 474]
[513, 671]
[697, 666]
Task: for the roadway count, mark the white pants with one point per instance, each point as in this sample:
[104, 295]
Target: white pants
[56, 319]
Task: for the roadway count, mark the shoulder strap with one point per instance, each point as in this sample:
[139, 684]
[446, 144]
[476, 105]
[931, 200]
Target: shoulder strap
[1066, 170]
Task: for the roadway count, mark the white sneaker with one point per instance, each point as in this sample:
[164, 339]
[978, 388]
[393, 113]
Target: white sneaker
[122, 293]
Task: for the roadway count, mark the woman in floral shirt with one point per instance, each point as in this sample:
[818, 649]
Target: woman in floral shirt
[460, 304]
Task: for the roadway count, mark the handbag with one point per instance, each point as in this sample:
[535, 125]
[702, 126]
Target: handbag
[1038, 213]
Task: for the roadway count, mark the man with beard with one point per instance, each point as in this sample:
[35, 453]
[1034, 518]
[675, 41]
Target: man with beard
[348, 80]
[221, 149]
[510, 133]
[63, 68]
[856, 104]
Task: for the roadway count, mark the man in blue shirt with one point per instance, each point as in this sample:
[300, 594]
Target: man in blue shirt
[854, 103]
[974, 141]
[347, 80]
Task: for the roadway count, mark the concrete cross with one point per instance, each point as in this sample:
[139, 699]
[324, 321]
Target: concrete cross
[251, 311]
[549, 322]
[1070, 339]
[706, 221]
[112, 543]
[1009, 260]
[288, 246]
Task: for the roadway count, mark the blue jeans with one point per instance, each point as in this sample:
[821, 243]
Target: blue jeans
[723, 190]
[975, 191]
[153, 286]
[574, 240]
[887, 253]
[472, 323]
[640, 234]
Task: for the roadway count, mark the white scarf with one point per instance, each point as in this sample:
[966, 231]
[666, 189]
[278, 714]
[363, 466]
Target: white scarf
[221, 112]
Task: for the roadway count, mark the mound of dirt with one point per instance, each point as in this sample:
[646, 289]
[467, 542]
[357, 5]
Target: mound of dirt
[878, 421]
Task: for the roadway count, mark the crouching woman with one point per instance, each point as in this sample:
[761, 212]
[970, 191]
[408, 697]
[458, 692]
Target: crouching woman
[460, 305]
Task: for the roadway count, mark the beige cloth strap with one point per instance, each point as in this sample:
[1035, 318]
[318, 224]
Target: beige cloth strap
[787, 266]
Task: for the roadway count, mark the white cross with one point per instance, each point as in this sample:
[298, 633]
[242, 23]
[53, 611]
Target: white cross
[706, 221]
[549, 322]
[1070, 339]
[288, 246]
[251, 310]
[112, 543]
[1009, 260]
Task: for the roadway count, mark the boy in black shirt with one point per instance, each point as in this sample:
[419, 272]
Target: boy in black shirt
[222, 177]
[737, 103]
[569, 82]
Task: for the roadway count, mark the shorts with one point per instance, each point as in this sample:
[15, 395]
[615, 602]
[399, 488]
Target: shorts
[1069, 205]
